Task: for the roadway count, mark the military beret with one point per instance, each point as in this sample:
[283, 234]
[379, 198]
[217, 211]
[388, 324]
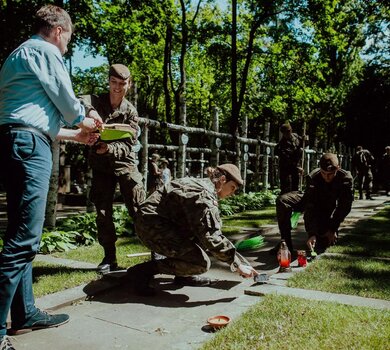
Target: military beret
[155, 156]
[329, 162]
[285, 127]
[120, 71]
[232, 171]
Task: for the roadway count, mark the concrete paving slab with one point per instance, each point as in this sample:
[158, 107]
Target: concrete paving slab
[318, 295]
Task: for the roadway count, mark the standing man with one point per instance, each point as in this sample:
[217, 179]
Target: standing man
[114, 161]
[289, 151]
[362, 162]
[36, 97]
[326, 202]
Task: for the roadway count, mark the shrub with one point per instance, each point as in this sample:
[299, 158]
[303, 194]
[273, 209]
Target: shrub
[246, 201]
[81, 229]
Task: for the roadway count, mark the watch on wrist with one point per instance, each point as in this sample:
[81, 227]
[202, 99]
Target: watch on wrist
[233, 266]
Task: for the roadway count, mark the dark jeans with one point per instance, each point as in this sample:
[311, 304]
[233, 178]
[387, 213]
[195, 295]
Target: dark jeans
[26, 163]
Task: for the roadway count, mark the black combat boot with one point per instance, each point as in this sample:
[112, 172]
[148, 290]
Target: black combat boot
[194, 281]
[109, 262]
[141, 275]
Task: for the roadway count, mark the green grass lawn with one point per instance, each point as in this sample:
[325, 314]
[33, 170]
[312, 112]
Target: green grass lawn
[282, 322]
[94, 253]
[355, 272]
[248, 219]
[50, 278]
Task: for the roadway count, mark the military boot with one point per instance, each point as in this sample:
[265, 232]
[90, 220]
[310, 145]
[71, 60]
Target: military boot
[109, 262]
[141, 275]
[194, 281]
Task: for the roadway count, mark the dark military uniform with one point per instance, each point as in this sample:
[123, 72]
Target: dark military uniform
[289, 152]
[118, 165]
[362, 161]
[325, 205]
[181, 221]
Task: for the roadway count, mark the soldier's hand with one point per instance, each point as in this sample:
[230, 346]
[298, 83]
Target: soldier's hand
[246, 271]
[331, 236]
[311, 242]
[96, 117]
[101, 148]
[89, 138]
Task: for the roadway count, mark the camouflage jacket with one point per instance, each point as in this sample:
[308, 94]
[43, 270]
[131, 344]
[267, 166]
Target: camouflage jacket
[120, 158]
[189, 205]
[327, 203]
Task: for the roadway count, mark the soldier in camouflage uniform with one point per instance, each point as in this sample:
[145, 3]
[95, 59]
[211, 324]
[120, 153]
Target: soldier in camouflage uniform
[114, 162]
[326, 202]
[289, 151]
[181, 221]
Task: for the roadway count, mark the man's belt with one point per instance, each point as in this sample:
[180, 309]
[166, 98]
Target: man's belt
[7, 127]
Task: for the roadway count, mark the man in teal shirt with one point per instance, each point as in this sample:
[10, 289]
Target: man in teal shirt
[36, 99]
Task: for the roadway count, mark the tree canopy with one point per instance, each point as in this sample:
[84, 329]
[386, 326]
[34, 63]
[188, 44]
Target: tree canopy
[306, 61]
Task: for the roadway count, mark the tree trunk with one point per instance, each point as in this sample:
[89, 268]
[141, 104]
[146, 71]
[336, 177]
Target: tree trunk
[234, 115]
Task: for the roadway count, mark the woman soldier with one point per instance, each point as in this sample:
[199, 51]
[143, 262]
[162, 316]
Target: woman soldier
[181, 222]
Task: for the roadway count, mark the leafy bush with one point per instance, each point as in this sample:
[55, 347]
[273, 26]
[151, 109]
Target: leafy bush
[81, 229]
[58, 241]
[246, 201]
[83, 224]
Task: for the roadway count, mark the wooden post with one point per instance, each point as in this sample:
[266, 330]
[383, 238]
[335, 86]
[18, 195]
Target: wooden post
[201, 165]
[215, 141]
[266, 152]
[183, 139]
[245, 149]
[144, 154]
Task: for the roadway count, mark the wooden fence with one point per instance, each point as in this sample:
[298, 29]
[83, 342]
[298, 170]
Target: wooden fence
[252, 156]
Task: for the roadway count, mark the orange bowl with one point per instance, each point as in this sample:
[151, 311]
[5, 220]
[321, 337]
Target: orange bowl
[218, 321]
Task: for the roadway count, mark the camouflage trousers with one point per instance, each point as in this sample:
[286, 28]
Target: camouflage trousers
[102, 195]
[184, 257]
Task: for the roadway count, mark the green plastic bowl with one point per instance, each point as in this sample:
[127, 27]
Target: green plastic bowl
[113, 134]
[250, 243]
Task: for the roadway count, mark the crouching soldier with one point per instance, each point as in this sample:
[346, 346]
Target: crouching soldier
[181, 221]
[326, 202]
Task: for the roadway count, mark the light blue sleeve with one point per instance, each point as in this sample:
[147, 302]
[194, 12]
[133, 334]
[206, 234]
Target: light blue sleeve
[52, 74]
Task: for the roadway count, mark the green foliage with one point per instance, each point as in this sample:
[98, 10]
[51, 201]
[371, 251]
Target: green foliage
[61, 241]
[246, 201]
[81, 229]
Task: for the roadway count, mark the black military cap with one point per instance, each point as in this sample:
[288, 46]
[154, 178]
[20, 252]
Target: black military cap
[329, 162]
[232, 171]
[119, 71]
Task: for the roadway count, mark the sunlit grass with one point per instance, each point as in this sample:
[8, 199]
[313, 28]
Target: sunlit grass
[282, 322]
[357, 271]
[249, 219]
[346, 275]
[94, 253]
[49, 278]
